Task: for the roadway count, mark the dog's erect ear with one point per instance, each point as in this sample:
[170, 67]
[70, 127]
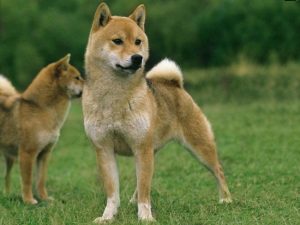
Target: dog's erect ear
[62, 64]
[101, 17]
[139, 16]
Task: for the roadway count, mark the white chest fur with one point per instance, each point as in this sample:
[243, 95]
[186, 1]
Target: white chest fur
[133, 126]
[104, 116]
[45, 138]
[48, 136]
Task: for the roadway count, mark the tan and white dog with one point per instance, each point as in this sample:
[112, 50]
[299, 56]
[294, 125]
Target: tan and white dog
[128, 113]
[30, 122]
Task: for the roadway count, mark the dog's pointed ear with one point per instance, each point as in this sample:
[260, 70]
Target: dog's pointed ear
[101, 17]
[139, 16]
[62, 65]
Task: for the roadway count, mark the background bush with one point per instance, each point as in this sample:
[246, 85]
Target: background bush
[196, 33]
[244, 82]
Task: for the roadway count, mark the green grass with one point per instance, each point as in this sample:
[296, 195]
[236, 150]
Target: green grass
[258, 145]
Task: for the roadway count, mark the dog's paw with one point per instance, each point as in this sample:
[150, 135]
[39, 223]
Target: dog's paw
[48, 199]
[225, 200]
[144, 212]
[148, 219]
[108, 215]
[31, 201]
[102, 220]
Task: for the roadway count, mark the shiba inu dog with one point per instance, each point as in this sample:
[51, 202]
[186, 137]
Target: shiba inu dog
[129, 113]
[30, 122]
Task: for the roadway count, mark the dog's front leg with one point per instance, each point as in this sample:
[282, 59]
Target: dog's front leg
[144, 172]
[109, 172]
[27, 158]
[42, 164]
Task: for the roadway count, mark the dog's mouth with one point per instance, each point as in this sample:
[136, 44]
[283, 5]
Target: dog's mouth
[132, 68]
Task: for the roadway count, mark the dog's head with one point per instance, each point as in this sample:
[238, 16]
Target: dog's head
[118, 43]
[68, 78]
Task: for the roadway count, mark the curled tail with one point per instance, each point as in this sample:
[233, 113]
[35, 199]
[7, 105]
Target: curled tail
[166, 70]
[8, 94]
[6, 88]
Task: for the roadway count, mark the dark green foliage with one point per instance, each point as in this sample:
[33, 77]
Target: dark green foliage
[39, 32]
[194, 33]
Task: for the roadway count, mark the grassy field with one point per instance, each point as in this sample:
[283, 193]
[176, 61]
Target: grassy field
[259, 147]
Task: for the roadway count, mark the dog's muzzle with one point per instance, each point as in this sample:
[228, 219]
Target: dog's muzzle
[136, 63]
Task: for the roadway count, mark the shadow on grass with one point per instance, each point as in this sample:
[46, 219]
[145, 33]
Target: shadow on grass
[13, 200]
[10, 201]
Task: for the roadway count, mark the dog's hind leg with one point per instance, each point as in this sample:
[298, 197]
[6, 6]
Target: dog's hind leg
[199, 138]
[109, 172]
[9, 164]
[133, 198]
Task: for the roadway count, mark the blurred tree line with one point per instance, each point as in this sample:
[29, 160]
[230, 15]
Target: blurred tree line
[195, 33]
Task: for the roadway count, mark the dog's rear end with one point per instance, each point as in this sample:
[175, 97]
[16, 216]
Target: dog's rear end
[8, 125]
[180, 118]
[8, 93]
[6, 88]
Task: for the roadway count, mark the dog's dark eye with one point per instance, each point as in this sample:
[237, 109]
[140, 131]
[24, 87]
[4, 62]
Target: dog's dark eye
[77, 78]
[138, 42]
[117, 41]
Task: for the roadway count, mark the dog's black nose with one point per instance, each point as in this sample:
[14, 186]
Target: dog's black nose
[136, 59]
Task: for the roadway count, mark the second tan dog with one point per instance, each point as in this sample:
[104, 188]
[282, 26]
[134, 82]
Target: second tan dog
[30, 122]
[128, 113]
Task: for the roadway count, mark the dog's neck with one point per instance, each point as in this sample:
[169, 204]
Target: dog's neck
[43, 92]
[110, 88]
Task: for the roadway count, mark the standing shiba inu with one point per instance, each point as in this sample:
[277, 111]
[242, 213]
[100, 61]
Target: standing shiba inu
[30, 122]
[128, 113]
